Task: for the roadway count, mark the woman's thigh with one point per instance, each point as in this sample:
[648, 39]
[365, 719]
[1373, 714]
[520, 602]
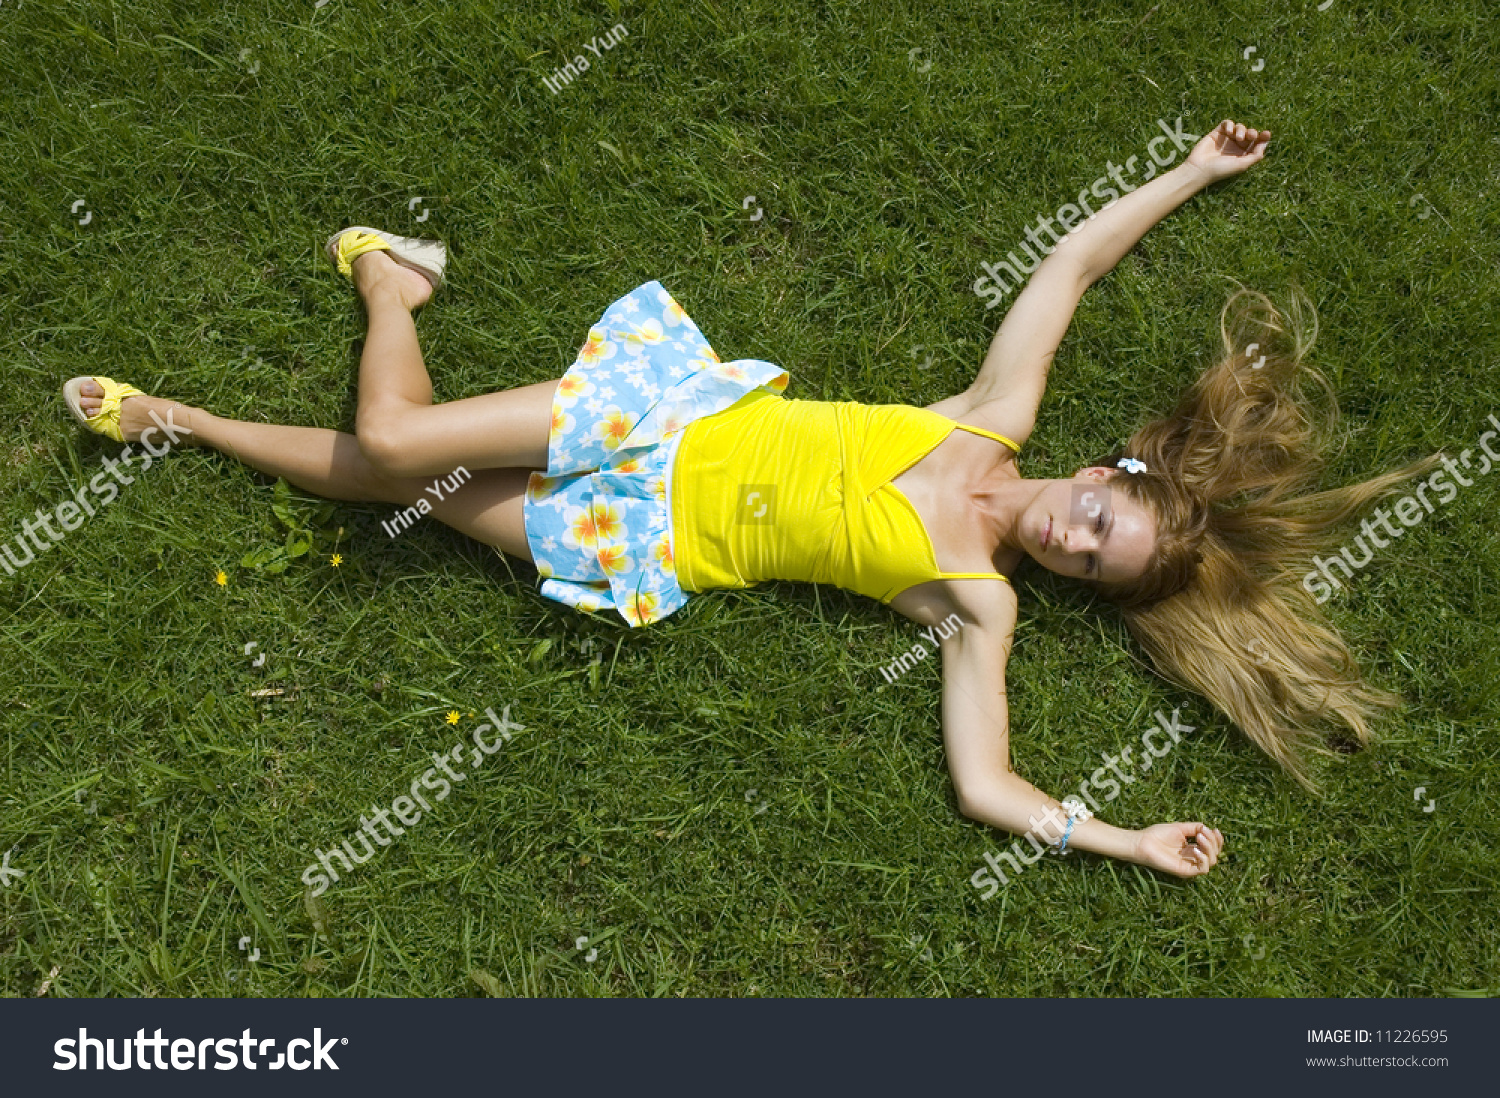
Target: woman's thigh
[485, 504]
[508, 429]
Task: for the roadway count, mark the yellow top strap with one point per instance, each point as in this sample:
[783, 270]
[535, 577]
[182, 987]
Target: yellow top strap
[1016, 446]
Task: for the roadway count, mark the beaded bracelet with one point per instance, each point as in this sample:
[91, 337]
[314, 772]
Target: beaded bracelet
[1076, 811]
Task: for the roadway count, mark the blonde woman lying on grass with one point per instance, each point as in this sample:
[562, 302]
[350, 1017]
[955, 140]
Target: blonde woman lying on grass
[653, 470]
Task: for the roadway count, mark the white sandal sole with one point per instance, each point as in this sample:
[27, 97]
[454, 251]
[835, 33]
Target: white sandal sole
[428, 258]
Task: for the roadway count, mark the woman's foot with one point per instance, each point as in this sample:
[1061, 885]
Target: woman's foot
[135, 411]
[378, 272]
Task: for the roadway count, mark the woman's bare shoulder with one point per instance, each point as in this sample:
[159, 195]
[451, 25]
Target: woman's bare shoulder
[990, 604]
[1012, 417]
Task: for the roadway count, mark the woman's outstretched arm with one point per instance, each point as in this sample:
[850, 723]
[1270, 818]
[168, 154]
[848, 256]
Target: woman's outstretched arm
[1012, 380]
[1103, 240]
[976, 734]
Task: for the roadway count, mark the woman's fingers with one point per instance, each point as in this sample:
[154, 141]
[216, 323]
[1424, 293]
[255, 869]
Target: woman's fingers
[1206, 845]
[1241, 134]
[1185, 848]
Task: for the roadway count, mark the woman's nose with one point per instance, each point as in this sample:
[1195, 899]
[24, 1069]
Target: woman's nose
[1075, 538]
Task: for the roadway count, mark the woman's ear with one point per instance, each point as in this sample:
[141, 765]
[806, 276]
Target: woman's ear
[1094, 472]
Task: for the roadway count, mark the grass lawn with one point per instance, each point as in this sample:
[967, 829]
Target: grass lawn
[733, 802]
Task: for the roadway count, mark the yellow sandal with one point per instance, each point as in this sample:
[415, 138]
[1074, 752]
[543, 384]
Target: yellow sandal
[106, 421]
[427, 257]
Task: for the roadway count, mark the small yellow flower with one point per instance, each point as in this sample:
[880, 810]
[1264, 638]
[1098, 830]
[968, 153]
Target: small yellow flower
[597, 348]
[661, 552]
[570, 388]
[336, 560]
[220, 578]
[580, 531]
[613, 426]
[453, 716]
[612, 559]
[645, 335]
[642, 608]
[608, 522]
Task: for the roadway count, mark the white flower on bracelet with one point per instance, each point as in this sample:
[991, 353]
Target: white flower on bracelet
[1074, 806]
[1076, 811]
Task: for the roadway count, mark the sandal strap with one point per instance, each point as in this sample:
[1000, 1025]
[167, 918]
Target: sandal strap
[354, 244]
[106, 421]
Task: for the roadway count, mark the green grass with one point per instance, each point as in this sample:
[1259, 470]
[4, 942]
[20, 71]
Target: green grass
[160, 811]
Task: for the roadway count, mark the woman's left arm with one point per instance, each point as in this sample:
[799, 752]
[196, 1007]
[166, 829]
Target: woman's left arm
[976, 734]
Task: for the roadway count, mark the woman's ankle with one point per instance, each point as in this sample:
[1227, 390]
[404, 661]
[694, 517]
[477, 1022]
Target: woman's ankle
[156, 421]
[382, 282]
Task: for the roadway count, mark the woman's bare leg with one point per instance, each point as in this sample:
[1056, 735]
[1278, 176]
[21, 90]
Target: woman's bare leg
[331, 464]
[399, 428]
[402, 439]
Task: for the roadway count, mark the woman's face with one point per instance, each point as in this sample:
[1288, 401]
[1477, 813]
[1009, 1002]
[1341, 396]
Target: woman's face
[1081, 528]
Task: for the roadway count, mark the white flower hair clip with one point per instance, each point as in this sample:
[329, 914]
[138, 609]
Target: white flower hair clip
[1131, 465]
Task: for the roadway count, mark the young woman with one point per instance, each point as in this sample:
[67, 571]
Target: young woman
[652, 469]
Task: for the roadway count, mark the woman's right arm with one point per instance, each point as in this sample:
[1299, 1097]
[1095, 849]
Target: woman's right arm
[976, 734]
[1008, 389]
[1102, 241]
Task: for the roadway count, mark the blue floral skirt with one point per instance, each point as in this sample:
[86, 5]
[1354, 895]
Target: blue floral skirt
[599, 522]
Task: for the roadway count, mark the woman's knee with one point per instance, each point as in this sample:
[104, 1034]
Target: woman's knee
[386, 446]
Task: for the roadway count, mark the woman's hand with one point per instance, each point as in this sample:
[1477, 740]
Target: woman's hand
[1230, 148]
[1167, 847]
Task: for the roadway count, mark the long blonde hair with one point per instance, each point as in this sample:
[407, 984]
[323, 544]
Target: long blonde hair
[1221, 608]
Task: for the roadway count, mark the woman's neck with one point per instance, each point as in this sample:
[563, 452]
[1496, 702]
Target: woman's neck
[1003, 500]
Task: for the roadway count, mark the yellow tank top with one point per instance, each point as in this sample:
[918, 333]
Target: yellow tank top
[772, 488]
